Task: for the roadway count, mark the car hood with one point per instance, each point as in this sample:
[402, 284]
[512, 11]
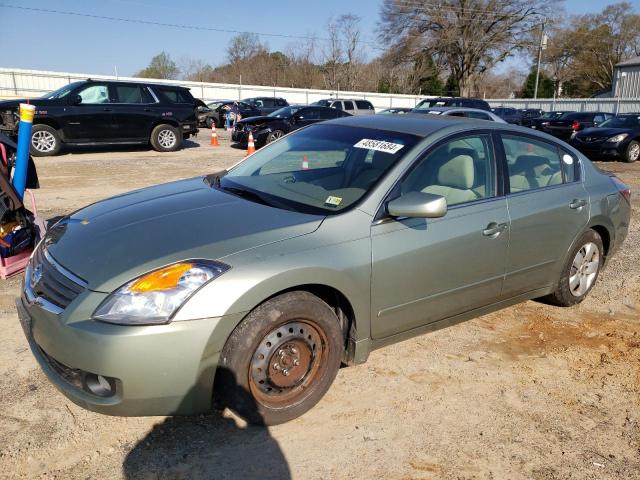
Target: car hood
[113, 241]
[38, 102]
[604, 132]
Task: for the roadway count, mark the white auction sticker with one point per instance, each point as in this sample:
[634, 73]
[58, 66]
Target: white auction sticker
[379, 145]
[568, 159]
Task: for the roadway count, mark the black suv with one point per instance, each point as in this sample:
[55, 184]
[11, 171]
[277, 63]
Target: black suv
[266, 105]
[509, 115]
[453, 102]
[94, 112]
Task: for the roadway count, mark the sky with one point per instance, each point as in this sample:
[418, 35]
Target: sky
[51, 41]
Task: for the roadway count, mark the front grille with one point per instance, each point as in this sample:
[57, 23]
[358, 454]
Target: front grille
[238, 127]
[52, 282]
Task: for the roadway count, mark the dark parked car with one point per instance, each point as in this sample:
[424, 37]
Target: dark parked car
[453, 102]
[536, 123]
[570, 123]
[266, 105]
[399, 110]
[528, 114]
[508, 114]
[220, 108]
[94, 112]
[618, 137]
[203, 113]
[269, 128]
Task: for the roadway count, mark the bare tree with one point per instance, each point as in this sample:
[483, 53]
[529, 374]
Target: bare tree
[468, 37]
[243, 46]
[342, 54]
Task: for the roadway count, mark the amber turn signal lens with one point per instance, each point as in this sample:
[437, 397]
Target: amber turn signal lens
[163, 279]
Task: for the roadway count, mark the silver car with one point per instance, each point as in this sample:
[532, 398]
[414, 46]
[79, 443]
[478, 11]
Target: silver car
[474, 113]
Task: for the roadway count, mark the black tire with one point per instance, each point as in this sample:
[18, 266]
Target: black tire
[565, 295]
[273, 136]
[162, 135]
[45, 141]
[632, 153]
[208, 122]
[262, 352]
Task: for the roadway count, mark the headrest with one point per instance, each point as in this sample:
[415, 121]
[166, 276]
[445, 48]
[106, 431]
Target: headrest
[464, 151]
[458, 172]
[529, 163]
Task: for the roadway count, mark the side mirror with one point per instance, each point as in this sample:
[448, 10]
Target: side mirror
[418, 205]
[76, 100]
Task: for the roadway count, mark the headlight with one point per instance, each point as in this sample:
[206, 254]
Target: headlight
[618, 138]
[154, 297]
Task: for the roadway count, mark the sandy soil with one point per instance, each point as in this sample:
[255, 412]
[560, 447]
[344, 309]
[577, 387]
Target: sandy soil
[529, 392]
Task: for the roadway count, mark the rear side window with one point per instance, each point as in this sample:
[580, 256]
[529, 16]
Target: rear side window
[337, 105]
[478, 115]
[132, 94]
[268, 102]
[174, 95]
[533, 163]
[364, 105]
[281, 102]
[348, 105]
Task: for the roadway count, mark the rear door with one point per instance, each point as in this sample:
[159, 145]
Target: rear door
[134, 111]
[92, 119]
[349, 107]
[548, 206]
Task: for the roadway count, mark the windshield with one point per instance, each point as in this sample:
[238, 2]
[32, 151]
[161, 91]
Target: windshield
[321, 169]
[623, 121]
[433, 102]
[62, 92]
[284, 112]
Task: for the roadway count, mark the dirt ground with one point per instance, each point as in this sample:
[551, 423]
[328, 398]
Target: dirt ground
[531, 392]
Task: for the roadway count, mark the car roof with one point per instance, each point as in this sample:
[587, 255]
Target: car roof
[417, 124]
[456, 109]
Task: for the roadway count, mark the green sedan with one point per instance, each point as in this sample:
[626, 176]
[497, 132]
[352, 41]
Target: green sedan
[249, 288]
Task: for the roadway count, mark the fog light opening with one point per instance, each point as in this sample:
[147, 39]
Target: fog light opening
[99, 385]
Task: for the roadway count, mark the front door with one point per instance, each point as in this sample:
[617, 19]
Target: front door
[549, 208]
[425, 270]
[92, 119]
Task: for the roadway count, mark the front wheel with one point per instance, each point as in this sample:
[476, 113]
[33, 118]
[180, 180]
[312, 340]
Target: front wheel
[633, 152]
[45, 141]
[580, 272]
[166, 138]
[275, 135]
[280, 360]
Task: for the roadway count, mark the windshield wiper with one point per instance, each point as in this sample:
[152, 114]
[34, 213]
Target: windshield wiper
[247, 194]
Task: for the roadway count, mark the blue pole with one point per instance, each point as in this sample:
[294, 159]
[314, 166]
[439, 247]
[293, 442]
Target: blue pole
[227, 124]
[27, 112]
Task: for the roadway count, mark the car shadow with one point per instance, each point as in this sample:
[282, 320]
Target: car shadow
[186, 144]
[210, 446]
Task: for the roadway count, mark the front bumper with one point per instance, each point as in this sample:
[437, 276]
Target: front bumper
[600, 150]
[155, 369]
[242, 137]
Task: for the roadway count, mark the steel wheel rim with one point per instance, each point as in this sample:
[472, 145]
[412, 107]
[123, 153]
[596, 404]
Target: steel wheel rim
[286, 362]
[273, 136]
[43, 141]
[166, 138]
[584, 269]
[634, 152]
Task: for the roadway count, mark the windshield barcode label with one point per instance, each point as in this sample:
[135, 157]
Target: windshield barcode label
[379, 145]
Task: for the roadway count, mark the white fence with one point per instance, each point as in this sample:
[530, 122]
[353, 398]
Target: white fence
[19, 83]
[34, 83]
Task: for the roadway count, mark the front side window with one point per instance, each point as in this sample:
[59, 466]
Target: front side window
[323, 169]
[461, 170]
[532, 163]
[95, 94]
[337, 105]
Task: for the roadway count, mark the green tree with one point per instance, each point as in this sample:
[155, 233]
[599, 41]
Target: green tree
[545, 85]
[452, 88]
[427, 76]
[161, 66]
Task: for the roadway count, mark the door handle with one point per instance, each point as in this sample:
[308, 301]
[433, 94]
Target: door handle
[577, 204]
[147, 109]
[494, 229]
[107, 109]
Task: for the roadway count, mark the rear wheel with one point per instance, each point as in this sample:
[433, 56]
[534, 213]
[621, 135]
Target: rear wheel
[280, 360]
[45, 141]
[633, 152]
[166, 138]
[580, 272]
[209, 122]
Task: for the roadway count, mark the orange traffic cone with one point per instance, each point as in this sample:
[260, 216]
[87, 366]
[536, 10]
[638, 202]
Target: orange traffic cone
[214, 136]
[305, 163]
[251, 147]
